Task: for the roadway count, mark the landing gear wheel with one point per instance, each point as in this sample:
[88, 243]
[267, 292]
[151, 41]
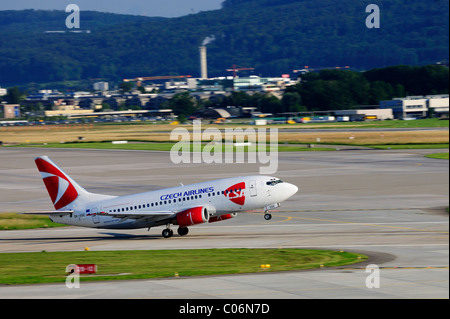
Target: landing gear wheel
[167, 233]
[183, 231]
[267, 216]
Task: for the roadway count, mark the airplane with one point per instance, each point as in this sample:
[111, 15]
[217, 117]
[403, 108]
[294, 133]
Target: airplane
[185, 205]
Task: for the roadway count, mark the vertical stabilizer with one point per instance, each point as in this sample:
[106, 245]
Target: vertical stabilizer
[63, 190]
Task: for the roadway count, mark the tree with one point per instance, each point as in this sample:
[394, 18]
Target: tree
[182, 104]
[126, 87]
[291, 102]
[14, 96]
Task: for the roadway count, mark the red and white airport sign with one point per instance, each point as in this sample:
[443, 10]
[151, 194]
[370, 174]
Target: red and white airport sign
[83, 268]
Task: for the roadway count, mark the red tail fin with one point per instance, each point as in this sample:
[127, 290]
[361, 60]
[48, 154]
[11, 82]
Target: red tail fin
[61, 188]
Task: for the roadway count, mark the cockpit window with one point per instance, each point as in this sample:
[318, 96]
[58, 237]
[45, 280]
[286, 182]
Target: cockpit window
[274, 182]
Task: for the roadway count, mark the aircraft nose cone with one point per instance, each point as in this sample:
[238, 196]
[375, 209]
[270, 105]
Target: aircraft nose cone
[290, 190]
[293, 189]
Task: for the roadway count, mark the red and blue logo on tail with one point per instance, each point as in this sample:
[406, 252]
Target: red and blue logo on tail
[59, 186]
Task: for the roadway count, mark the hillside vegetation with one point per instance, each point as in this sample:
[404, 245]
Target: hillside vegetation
[274, 37]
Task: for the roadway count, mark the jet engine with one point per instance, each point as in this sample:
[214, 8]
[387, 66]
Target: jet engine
[193, 216]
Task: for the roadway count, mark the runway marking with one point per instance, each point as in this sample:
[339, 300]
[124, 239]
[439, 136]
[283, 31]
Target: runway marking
[269, 290]
[276, 222]
[344, 246]
[399, 268]
[348, 210]
[364, 224]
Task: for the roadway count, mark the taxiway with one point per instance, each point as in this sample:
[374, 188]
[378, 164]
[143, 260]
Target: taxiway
[388, 204]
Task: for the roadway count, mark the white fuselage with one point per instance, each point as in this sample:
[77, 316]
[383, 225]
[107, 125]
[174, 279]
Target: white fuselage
[224, 196]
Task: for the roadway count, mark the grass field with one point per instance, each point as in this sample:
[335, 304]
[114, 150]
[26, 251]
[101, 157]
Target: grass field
[164, 147]
[48, 267]
[14, 221]
[410, 146]
[161, 133]
[443, 156]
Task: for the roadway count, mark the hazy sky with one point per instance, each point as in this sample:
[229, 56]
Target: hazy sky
[163, 8]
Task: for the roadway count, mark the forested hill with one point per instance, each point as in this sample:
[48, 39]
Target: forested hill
[272, 36]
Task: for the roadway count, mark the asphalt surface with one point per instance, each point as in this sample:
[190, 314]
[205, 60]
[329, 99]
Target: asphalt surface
[388, 204]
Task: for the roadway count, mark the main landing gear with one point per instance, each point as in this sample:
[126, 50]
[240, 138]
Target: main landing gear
[267, 216]
[167, 233]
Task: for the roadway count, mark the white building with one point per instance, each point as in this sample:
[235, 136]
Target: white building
[3, 91]
[438, 104]
[101, 86]
[416, 106]
[408, 107]
[256, 83]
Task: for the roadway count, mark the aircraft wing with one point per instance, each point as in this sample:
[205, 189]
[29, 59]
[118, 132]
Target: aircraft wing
[141, 214]
[50, 213]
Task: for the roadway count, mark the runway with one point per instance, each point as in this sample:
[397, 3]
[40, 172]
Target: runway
[386, 204]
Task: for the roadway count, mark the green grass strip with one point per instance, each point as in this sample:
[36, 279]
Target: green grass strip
[408, 146]
[163, 147]
[443, 156]
[49, 267]
[14, 221]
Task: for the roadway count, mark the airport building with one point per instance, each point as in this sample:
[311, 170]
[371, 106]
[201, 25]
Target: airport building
[363, 114]
[262, 84]
[11, 111]
[438, 105]
[417, 106]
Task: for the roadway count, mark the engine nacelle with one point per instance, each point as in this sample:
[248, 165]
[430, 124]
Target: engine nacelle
[214, 219]
[193, 216]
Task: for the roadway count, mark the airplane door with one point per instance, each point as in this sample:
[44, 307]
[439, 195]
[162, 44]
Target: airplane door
[253, 188]
[95, 217]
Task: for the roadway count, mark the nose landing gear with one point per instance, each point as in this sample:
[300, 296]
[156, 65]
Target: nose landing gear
[267, 215]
